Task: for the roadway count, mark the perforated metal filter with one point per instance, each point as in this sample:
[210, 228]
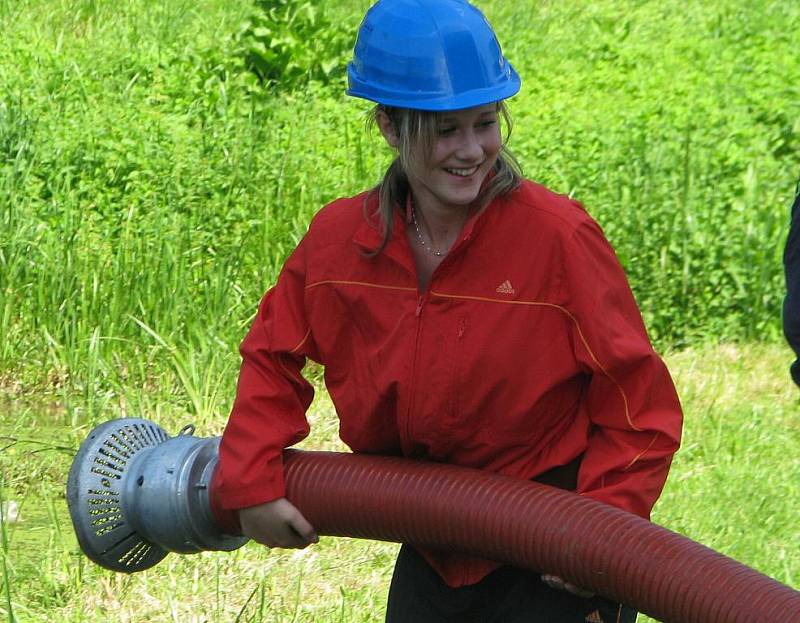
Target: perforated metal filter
[135, 493]
[98, 479]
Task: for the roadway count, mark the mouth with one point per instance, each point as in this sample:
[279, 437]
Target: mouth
[462, 172]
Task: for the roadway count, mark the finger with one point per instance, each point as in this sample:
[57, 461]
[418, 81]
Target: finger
[553, 581]
[302, 529]
[284, 537]
[291, 539]
[263, 538]
[280, 535]
[576, 590]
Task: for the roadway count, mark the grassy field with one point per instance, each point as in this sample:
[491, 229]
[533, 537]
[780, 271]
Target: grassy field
[151, 186]
[733, 487]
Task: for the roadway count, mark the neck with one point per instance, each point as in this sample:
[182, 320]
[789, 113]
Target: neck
[439, 224]
[436, 230]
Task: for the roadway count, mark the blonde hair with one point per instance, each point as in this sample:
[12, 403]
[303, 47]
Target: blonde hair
[418, 129]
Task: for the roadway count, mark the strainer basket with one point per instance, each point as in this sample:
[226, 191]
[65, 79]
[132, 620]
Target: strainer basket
[135, 494]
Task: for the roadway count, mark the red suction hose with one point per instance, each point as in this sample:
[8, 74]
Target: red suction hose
[613, 553]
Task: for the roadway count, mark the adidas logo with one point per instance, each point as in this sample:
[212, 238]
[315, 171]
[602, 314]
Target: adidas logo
[506, 288]
[594, 617]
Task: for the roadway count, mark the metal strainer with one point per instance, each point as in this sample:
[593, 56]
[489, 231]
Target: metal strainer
[135, 494]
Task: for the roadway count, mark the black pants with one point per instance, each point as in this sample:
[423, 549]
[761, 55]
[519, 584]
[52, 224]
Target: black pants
[791, 304]
[507, 595]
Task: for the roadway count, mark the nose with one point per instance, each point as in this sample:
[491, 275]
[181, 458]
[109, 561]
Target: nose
[469, 148]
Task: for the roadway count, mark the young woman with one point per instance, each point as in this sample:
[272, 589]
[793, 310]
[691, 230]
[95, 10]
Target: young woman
[463, 315]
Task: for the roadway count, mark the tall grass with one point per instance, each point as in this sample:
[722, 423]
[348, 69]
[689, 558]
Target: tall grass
[678, 126]
[147, 178]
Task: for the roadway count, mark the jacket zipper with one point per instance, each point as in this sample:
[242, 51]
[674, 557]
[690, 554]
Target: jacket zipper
[421, 300]
[413, 390]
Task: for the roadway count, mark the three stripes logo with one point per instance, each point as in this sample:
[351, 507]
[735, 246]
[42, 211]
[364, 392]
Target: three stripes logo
[506, 288]
[594, 617]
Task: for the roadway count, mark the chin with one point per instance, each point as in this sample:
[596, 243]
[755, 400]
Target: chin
[466, 194]
[460, 204]
[464, 198]
[467, 201]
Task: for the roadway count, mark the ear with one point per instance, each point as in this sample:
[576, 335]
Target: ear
[386, 126]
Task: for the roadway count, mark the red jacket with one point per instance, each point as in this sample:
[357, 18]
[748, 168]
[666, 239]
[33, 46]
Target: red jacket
[527, 351]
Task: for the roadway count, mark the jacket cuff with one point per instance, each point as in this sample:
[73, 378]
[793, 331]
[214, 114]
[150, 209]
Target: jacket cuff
[267, 490]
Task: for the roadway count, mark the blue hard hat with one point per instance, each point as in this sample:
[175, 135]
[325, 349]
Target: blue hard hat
[429, 55]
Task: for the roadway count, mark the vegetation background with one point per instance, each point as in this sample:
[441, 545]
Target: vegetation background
[159, 159]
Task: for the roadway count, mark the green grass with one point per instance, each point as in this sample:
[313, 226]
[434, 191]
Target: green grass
[733, 487]
[150, 189]
[147, 179]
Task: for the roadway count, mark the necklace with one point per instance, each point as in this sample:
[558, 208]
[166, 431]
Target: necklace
[425, 246]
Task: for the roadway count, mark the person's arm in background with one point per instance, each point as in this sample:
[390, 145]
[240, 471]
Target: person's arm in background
[791, 304]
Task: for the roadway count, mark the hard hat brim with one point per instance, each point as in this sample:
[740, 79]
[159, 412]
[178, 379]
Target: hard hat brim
[434, 102]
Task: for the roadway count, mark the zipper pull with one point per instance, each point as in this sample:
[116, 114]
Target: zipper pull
[420, 303]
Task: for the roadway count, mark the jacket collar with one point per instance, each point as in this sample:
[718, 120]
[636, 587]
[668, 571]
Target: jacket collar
[369, 235]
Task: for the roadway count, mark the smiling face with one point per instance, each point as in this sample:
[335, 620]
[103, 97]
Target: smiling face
[447, 171]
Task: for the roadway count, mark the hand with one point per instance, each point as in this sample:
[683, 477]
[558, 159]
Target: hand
[553, 581]
[277, 524]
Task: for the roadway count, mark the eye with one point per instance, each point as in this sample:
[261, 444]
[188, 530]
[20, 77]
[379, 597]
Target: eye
[487, 123]
[445, 130]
